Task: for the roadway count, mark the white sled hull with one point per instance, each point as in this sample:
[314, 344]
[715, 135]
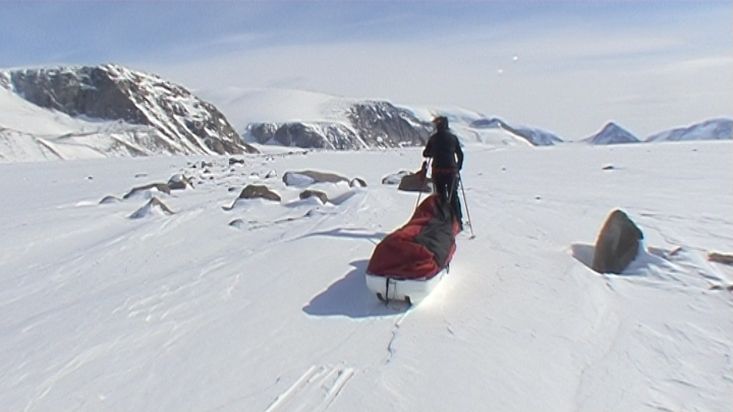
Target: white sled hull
[410, 290]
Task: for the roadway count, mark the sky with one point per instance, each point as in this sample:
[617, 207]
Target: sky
[568, 67]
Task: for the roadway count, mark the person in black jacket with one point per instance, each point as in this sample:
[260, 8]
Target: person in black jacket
[445, 150]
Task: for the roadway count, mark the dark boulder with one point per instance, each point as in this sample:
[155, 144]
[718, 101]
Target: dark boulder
[314, 193]
[617, 244]
[415, 182]
[357, 182]
[259, 191]
[179, 182]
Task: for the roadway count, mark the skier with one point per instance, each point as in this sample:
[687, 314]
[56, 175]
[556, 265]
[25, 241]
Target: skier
[445, 150]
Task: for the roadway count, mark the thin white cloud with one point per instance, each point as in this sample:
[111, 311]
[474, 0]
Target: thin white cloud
[570, 78]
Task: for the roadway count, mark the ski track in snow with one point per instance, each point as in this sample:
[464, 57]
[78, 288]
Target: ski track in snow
[315, 390]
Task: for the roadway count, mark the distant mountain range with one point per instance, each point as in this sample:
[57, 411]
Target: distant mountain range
[110, 110]
[715, 129]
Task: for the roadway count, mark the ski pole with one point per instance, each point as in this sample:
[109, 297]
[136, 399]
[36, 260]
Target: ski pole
[465, 203]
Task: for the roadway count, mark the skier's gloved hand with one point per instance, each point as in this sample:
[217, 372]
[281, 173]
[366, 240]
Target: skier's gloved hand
[423, 173]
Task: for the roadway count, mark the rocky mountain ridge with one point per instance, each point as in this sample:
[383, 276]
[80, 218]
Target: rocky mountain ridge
[179, 122]
[360, 125]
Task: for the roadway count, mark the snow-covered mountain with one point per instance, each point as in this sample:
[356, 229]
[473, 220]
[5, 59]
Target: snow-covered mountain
[611, 134]
[359, 125]
[714, 129]
[105, 111]
[536, 137]
[309, 119]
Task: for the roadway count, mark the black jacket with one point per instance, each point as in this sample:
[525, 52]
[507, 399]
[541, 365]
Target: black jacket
[444, 148]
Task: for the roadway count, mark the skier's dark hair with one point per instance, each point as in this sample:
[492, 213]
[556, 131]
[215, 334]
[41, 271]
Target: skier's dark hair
[440, 122]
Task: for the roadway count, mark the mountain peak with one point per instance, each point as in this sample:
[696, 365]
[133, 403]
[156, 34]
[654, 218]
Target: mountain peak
[612, 133]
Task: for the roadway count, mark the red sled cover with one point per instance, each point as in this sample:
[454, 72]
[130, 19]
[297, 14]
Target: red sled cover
[419, 249]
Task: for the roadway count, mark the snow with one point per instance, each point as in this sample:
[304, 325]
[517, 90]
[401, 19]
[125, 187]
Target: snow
[245, 106]
[187, 312]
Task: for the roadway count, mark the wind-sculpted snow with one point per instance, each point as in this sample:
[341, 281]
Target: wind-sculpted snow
[265, 307]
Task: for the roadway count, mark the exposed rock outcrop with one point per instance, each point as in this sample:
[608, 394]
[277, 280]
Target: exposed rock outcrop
[161, 187]
[259, 191]
[367, 124]
[357, 182]
[182, 123]
[154, 207]
[314, 193]
[179, 182]
[617, 244]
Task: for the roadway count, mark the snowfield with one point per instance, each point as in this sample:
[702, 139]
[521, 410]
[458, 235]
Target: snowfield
[264, 307]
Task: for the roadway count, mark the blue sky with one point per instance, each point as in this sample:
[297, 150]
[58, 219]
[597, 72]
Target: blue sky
[566, 66]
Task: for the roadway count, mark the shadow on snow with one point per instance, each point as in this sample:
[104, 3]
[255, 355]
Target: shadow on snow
[373, 237]
[350, 297]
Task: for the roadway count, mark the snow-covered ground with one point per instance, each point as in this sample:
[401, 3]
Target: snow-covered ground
[187, 312]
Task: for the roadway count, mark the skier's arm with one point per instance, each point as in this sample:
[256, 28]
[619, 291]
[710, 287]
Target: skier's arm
[459, 154]
[428, 151]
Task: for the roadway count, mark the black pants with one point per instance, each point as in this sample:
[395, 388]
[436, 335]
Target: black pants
[445, 184]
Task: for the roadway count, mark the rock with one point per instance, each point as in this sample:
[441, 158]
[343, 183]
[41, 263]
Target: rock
[109, 199]
[609, 167]
[395, 178]
[179, 182]
[415, 182]
[307, 177]
[726, 259]
[617, 244]
[233, 161]
[259, 191]
[154, 207]
[238, 223]
[314, 193]
[357, 182]
[271, 174]
[161, 187]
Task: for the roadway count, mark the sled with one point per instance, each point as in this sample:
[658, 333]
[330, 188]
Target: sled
[411, 291]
